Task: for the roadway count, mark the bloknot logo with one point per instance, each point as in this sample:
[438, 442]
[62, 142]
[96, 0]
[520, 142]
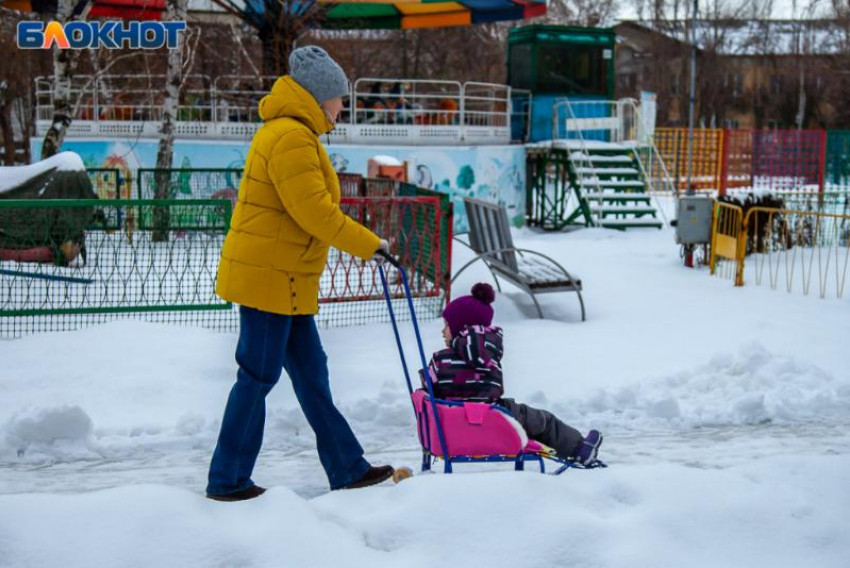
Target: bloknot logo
[92, 35]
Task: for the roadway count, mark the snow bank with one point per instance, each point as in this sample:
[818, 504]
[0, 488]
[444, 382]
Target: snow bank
[750, 387]
[118, 401]
[161, 526]
[13, 176]
[58, 433]
[774, 513]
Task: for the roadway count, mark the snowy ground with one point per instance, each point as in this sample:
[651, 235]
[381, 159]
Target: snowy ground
[726, 413]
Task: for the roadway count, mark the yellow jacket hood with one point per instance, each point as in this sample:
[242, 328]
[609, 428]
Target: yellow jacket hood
[289, 99]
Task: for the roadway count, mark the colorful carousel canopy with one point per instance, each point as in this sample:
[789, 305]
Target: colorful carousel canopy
[128, 9]
[329, 14]
[409, 14]
[113, 9]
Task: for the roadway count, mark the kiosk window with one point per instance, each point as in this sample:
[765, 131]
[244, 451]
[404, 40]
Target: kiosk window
[521, 72]
[572, 70]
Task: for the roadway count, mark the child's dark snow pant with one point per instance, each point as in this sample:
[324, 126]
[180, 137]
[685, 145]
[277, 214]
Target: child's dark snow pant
[545, 427]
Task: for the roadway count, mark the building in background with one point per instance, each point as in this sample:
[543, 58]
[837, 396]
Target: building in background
[750, 73]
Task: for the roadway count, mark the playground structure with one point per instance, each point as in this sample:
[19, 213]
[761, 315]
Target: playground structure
[591, 161]
[601, 170]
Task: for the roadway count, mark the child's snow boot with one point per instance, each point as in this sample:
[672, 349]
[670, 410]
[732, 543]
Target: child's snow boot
[589, 448]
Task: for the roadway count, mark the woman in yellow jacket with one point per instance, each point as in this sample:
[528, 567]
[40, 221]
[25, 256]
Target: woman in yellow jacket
[286, 218]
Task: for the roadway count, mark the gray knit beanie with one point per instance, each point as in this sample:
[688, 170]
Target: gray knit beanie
[318, 73]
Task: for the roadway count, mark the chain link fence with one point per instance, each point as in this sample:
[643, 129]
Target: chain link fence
[184, 183]
[68, 264]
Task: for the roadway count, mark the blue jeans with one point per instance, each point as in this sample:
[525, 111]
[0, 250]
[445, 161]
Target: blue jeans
[269, 343]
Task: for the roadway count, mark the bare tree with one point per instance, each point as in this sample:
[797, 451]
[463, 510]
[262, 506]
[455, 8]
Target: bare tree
[179, 60]
[64, 68]
[438, 53]
[582, 12]
[16, 79]
[279, 25]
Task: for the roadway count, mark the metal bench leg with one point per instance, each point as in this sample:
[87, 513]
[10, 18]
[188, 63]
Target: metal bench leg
[581, 301]
[537, 305]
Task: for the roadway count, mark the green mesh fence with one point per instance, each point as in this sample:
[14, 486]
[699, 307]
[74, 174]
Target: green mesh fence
[183, 184]
[837, 174]
[210, 183]
[68, 264]
[65, 264]
[835, 196]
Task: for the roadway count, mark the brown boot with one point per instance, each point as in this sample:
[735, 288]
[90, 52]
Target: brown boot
[373, 476]
[244, 495]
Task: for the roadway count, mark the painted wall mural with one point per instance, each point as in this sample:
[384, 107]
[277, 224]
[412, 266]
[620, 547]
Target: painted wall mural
[491, 173]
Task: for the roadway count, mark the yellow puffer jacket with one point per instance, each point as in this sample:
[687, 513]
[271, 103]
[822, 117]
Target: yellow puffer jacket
[287, 214]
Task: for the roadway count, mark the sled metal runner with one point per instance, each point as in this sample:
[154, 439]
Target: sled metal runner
[423, 418]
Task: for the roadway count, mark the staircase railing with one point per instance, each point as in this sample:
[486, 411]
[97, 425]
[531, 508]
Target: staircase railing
[585, 162]
[649, 159]
[624, 124]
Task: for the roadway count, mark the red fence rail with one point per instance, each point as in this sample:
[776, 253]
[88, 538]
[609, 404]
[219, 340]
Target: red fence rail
[413, 227]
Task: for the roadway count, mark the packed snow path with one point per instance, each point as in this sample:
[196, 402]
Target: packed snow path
[726, 414]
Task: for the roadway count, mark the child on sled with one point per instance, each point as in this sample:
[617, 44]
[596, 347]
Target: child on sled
[469, 369]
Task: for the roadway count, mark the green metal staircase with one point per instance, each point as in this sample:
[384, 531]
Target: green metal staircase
[608, 177]
[591, 184]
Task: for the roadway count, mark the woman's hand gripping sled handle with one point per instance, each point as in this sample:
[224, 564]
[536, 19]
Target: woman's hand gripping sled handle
[382, 256]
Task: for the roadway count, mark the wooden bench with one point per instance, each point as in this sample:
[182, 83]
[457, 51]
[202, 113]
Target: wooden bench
[490, 238]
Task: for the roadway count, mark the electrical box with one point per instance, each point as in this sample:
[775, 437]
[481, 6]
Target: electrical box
[693, 221]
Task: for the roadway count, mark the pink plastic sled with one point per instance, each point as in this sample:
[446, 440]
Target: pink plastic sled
[465, 432]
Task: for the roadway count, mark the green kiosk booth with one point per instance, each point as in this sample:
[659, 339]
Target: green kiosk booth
[558, 62]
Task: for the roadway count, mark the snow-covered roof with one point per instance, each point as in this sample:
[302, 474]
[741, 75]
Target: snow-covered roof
[384, 160]
[13, 176]
[757, 37]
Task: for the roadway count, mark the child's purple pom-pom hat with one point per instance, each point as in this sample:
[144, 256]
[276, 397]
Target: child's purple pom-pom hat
[471, 310]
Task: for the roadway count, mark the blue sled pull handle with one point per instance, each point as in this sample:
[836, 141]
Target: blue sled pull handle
[391, 259]
[394, 262]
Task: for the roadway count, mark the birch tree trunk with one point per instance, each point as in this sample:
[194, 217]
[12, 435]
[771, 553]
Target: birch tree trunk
[175, 10]
[9, 146]
[64, 67]
[6, 126]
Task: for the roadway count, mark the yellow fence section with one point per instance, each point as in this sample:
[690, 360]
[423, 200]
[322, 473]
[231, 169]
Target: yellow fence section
[782, 248]
[672, 144]
[726, 245]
